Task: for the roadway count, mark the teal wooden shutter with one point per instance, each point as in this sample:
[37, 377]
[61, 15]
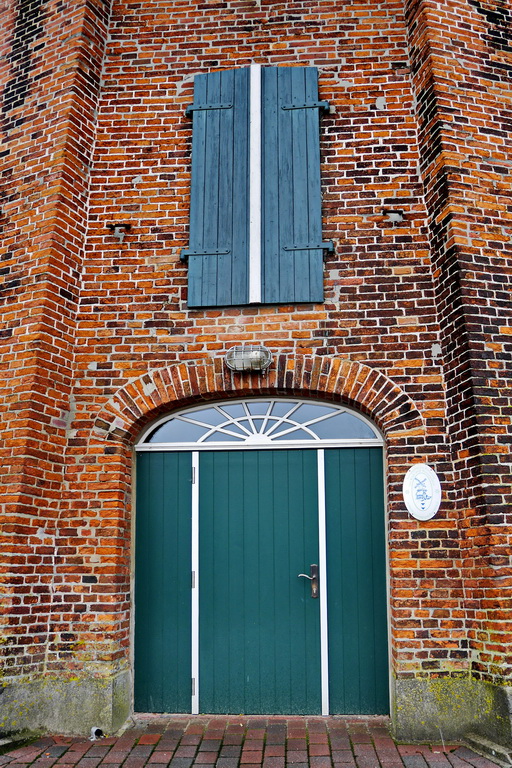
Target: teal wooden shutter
[218, 248]
[291, 230]
[292, 206]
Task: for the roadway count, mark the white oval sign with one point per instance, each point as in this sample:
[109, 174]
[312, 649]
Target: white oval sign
[422, 492]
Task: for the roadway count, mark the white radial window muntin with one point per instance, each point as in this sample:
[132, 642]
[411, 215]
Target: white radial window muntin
[258, 423]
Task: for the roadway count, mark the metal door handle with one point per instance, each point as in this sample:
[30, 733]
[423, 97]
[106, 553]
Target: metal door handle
[313, 578]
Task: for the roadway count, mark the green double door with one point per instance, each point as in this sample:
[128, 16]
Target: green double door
[226, 620]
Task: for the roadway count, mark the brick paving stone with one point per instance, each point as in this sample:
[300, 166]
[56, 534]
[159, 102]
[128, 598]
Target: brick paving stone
[203, 758]
[30, 753]
[319, 761]
[185, 751]
[18, 765]
[342, 755]
[162, 756]
[275, 750]
[181, 762]
[297, 756]
[210, 745]
[150, 738]
[318, 738]
[297, 744]
[438, 759]
[457, 762]
[319, 749]
[141, 750]
[253, 744]
[233, 739]
[230, 750]
[92, 762]
[227, 762]
[252, 757]
[273, 762]
[473, 759]
[340, 742]
[343, 759]
[110, 765]
[58, 750]
[116, 756]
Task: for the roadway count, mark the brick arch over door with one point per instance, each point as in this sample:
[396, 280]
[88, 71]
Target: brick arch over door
[350, 382]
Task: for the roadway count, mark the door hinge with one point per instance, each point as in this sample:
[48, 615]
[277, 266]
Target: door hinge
[193, 686]
[193, 475]
[185, 253]
[323, 105]
[193, 579]
[325, 246]
[203, 107]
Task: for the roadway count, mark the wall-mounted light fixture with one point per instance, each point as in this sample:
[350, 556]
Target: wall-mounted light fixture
[248, 357]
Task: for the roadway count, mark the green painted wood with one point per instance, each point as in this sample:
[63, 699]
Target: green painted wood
[162, 583]
[356, 579]
[219, 191]
[259, 627]
[291, 196]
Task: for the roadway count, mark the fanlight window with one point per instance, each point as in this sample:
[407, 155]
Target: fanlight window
[259, 422]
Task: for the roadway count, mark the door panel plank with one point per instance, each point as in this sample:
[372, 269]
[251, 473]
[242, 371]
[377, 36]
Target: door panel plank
[259, 627]
[162, 586]
[356, 578]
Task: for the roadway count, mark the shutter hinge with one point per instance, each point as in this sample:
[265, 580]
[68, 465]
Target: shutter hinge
[322, 105]
[193, 686]
[186, 253]
[193, 579]
[325, 246]
[193, 475]
[193, 108]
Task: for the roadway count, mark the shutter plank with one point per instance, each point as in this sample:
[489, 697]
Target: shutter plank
[240, 189]
[285, 287]
[314, 191]
[211, 192]
[223, 275]
[270, 187]
[300, 270]
[196, 241]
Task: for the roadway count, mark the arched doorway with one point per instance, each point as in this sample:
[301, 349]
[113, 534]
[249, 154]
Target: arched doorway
[260, 561]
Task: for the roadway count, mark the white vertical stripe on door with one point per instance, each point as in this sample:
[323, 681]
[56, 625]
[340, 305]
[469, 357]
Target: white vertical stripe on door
[195, 583]
[322, 573]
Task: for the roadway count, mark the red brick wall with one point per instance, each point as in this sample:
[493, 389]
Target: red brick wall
[380, 307]
[461, 56]
[389, 286]
[50, 79]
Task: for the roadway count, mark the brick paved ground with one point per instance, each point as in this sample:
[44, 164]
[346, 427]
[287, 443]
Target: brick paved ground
[243, 742]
